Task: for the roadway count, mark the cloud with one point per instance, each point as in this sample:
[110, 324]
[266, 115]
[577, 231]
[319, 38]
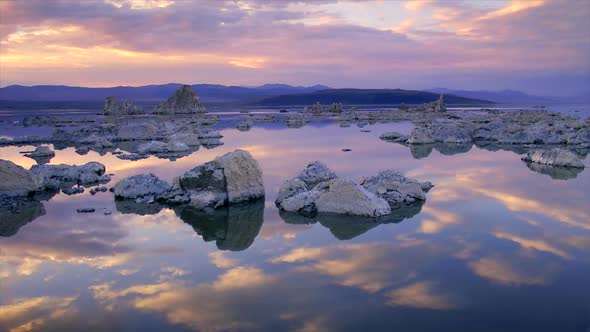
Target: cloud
[252, 42]
[514, 272]
[28, 314]
[420, 295]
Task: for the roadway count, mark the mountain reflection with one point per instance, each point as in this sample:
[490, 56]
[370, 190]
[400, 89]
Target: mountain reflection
[232, 228]
[345, 227]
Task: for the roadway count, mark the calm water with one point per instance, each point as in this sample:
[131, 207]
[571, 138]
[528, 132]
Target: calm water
[496, 247]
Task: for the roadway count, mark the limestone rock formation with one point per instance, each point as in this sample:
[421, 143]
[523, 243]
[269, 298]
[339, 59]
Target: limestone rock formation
[111, 107]
[232, 178]
[184, 101]
[317, 190]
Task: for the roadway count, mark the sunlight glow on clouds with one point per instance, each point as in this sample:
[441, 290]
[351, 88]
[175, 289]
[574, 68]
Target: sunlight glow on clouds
[412, 44]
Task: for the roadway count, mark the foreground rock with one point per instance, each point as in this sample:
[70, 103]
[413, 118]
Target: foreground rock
[317, 190]
[232, 178]
[17, 181]
[554, 157]
[184, 101]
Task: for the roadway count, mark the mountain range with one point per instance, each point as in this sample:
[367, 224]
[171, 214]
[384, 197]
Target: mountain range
[148, 93]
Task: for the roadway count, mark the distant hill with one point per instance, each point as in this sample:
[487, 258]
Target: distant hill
[148, 93]
[504, 96]
[365, 97]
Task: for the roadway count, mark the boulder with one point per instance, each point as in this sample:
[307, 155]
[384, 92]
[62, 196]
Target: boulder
[396, 188]
[186, 138]
[232, 178]
[17, 181]
[184, 100]
[316, 172]
[342, 196]
[554, 157]
[142, 187]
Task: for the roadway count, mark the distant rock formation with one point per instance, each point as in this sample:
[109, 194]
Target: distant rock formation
[111, 107]
[319, 108]
[184, 101]
[435, 106]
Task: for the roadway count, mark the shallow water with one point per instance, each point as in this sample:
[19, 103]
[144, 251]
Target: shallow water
[497, 246]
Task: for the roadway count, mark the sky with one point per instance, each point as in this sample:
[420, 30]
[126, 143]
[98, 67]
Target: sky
[537, 46]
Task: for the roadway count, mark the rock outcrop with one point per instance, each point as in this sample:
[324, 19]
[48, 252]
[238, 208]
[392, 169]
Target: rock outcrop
[111, 107]
[554, 157]
[184, 101]
[318, 190]
[230, 179]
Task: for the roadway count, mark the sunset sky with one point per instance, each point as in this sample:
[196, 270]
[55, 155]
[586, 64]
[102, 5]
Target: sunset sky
[537, 46]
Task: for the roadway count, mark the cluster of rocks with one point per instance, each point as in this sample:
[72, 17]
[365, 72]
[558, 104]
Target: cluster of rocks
[230, 179]
[22, 191]
[184, 101]
[112, 107]
[245, 125]
[317, 190]
[318, 108]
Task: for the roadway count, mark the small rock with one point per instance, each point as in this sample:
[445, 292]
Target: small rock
[86, 210]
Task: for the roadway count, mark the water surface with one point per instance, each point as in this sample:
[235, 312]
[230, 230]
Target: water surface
[498, 246]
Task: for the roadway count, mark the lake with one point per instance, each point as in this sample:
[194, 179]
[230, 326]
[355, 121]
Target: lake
[497, 246]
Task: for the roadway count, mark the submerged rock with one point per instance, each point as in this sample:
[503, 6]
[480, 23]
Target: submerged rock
[554, 157]
[184, 100]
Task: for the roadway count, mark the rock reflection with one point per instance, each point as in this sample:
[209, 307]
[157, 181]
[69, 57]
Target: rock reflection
[16, 214]
[420, 151]
[233, 227]
[555, 172]
[345, 227]
[126, 206]
[449, 149]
